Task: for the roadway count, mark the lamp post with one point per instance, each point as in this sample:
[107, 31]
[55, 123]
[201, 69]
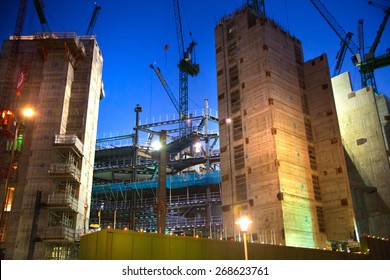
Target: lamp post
[244, 223]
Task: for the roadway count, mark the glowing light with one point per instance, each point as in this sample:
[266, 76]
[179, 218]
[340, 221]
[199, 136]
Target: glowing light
[28, 112]
[198, 147]
[244, 223]
[156, 145]
[228, 120]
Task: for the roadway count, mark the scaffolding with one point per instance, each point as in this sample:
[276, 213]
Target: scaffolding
[124, 193]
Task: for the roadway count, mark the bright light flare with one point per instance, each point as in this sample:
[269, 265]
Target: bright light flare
[28, 112]
[156, 145]
[244, 223]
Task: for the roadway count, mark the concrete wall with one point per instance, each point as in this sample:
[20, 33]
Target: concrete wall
[269, 148]
[335, 193]
[65, 92]
[259, 90]
[112, 244]
[362, 121]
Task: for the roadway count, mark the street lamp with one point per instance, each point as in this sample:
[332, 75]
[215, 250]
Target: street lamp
[244, 223]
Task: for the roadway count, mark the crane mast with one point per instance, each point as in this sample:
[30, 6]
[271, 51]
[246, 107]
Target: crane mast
[186, 67]
[258, 6]
[366, 63]
[11, 67]
[371, 61]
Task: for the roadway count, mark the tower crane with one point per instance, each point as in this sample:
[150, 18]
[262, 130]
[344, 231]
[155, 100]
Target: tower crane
[345, 37]
[186, 67]
[370, 61]
[92, 22]
[258, 6]
[379, 33]
[12, 61]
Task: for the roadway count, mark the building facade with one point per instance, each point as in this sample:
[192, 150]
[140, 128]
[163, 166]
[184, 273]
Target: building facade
[364, 125]
[49, 194]
[282, 161]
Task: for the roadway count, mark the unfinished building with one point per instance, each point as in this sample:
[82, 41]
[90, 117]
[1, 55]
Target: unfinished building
[282, 160]
[125, 186]
[364, 125]
[48, 191]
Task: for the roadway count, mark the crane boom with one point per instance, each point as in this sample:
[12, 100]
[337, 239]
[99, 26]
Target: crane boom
[42, 18]
[341, 53]
[379, 34]
[166, 87]
[179, 29]
[92, 22]
[340, 32]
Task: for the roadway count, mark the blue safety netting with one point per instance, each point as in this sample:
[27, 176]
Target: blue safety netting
[173, 182]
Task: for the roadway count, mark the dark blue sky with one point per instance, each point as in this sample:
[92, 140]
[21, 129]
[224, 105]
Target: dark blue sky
[132, 35]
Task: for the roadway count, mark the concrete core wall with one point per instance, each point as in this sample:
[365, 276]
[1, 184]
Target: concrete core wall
[363, 126]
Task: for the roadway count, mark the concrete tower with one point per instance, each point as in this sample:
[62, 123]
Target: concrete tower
[51, 191]
[365, 130]
[282, 162]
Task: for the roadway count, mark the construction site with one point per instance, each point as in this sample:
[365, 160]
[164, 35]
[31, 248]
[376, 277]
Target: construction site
[284, 148]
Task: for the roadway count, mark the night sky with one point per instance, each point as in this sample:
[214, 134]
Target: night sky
[132, 35]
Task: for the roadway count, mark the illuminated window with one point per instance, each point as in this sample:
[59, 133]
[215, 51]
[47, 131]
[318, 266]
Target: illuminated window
[9, 199]
[60, 253]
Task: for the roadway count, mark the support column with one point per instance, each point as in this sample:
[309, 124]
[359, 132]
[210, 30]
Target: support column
[161, 189]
